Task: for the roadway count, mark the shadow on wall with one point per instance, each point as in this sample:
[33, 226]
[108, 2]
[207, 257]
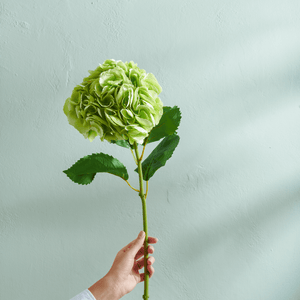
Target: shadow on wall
[242, 231]
[242, 82]
[63, 211]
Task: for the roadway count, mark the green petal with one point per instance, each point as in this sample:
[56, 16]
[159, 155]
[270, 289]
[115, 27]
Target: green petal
[136, 134]
[95, 88]
[96, 127]
[76, 97]
[107, 101]
[134, 75]
[151, 83]
[108, 64]
[116, 121]
[125, 95]
[146, 124]
[127, 116]
[91, 135]
[78, 123]
[113, 77]
[136, 100]
[123, 66]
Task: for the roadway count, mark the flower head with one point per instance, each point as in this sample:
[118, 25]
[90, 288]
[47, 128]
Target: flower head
[118, 101]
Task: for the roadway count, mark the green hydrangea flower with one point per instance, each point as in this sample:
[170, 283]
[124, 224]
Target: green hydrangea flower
[118, 101]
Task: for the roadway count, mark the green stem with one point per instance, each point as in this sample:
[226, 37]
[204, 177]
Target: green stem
[145, 224]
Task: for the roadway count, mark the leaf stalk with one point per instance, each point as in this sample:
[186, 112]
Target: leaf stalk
[140, 159]
[132, 187]
[147, 185]
[126, 181]
[134, 157]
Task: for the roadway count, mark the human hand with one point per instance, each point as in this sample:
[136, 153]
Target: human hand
[124, 274]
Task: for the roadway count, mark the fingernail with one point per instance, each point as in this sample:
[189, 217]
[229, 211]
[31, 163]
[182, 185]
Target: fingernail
[141, 234]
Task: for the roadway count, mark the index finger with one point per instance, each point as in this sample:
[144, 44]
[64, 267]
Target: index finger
[152, 240]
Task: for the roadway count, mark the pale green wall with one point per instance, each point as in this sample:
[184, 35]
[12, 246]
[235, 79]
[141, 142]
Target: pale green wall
[226, 208]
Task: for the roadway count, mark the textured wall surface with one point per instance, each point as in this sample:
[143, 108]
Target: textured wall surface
[226, 207]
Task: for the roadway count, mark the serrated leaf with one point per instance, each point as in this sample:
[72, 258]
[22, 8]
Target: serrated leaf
[121, 143]
[167, 125]
[86, 168]
[81, 179]
[159, 156]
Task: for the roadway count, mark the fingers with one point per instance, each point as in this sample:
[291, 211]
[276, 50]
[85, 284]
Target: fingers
[150, 261]
[150, 269]
[140, 253]
[140, 264]
[152, 240]
[134, 246]
[151, 272]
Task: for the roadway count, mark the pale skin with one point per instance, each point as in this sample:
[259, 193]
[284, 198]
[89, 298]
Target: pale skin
[124, 274]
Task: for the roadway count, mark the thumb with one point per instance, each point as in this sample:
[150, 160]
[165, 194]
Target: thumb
[138, 243]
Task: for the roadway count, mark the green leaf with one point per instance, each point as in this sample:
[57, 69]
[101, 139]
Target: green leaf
[122, 143]
[159, 156]
[167, 125]
[86, 168]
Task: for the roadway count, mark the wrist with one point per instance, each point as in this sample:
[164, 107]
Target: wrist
[105, 289]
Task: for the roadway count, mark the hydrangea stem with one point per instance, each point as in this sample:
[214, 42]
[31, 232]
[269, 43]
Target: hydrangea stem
[145, 224]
